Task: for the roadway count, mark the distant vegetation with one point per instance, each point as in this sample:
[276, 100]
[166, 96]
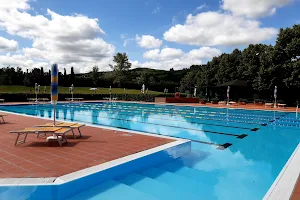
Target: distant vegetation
[65, 90]
[121, 77]
[262, 66]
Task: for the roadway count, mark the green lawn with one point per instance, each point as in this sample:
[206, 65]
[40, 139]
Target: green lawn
[79, 90]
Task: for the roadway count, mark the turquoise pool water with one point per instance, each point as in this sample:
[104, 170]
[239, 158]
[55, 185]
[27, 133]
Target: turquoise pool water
[236, 154]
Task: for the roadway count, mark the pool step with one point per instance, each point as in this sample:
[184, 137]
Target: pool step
[207, 178]
[155, 188]
[112, 190]
[179, 182]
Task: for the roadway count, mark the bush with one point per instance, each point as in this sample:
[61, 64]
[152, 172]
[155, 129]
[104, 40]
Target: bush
[243, 100]
[214, 100]
[22, 97]
[259, 101]
[280, 101]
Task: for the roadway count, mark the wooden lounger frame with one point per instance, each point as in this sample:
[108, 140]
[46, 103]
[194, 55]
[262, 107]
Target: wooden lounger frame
[57, 131]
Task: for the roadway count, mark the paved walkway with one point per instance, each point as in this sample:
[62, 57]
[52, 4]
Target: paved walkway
[37, 158]
[296, 192]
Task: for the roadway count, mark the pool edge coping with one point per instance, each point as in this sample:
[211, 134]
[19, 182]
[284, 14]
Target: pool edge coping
[94, 169]
[284, 184]
[47, 181]
[177, 104]
[278, 183]
[146, 103]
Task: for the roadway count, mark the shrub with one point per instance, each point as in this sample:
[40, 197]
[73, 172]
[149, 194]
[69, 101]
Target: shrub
[22, 97]
[243, 100]
[214, 100]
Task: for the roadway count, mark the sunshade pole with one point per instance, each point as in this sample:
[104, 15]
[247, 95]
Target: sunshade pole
[54, 89]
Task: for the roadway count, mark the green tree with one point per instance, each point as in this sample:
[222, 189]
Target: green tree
[27, 79]
[188, 81]
[72, 76]
[95, 75]
[42, 77]
[143, 78]
[120, 69]
[65, 83]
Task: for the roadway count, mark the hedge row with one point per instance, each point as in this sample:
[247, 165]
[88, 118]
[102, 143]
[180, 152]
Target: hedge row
[23, 97]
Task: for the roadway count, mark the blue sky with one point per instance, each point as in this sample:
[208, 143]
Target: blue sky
[177, 33]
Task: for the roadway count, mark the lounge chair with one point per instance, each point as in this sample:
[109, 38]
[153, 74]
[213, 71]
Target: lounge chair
[70, 125]
[268, 105]
[2, 117]
[233, 103]
[43, 99]
[58, 132]
[74, 99]
[281, 105]
[32, 99]
[222, 103]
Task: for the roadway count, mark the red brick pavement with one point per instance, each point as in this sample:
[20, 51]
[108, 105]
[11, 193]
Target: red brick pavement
[38, 158]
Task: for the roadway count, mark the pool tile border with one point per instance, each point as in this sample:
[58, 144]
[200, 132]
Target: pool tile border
[283, 186]
[98, 168]
[77, 182]
[120, 161]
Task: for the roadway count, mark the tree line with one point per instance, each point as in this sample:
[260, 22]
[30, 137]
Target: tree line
[121, 76]
[262, 66]
[12, 76]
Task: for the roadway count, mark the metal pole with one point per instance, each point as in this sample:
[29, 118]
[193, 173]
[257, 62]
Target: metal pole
[54, 114]
[275, 96]
[110, 93]
[297, 110]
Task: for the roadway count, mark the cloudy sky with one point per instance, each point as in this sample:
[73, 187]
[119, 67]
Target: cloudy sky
[155, 34]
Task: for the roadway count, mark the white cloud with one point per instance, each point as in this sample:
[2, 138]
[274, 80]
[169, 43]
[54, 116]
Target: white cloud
[67, 40]
[21, 61]
[148, 41]
[253, 8]
[25, 62]
[156, 10]
[213, 28]
[164, 54]
[201, 7]
[14, 4]
[8, 45]
[175, 58]
[173, 20]
[123, 36]
[204, 53]
[125, 39]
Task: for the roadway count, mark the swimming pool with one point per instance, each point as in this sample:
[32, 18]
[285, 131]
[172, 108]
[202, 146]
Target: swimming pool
[236, 153]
